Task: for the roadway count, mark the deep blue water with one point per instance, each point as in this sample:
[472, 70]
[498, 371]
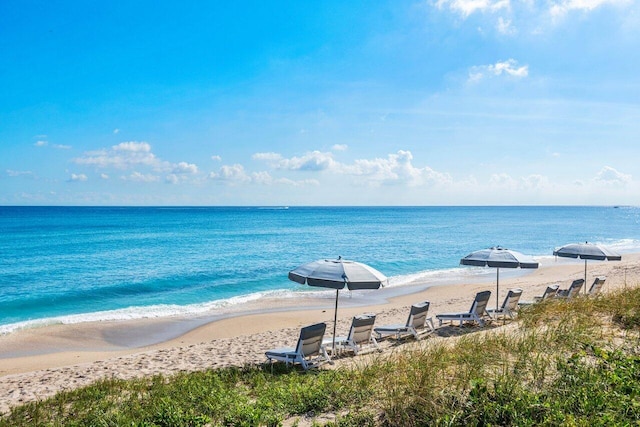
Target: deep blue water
[83, 263]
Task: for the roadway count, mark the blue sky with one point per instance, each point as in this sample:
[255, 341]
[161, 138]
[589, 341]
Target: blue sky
[443, 102]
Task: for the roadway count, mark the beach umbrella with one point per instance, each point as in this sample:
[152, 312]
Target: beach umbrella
[499, 257]
[587, 251]
[338, 274]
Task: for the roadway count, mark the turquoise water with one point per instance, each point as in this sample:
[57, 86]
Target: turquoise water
[72, 264]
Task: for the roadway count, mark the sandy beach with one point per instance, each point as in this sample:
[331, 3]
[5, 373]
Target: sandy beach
[37, 363]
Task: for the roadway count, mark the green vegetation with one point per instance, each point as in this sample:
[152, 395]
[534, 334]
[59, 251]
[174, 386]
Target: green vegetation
[566, 363]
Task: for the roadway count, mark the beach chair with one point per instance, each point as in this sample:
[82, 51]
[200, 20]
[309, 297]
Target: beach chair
[475, 314]
[417, 323]
[309, 351]
[597, 285]
[509, 306]
[550, 292]
[573, 291]
[360, 335]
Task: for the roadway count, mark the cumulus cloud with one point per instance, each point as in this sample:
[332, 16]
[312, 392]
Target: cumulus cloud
[135, 155]
[104, 176]
[140, 177]
[396, 168]
[236, 174]
[185, 168]
[41, 143]
[610, 176]
[80, 177]
[312, 161]
[469, 7]
[231, 173]
[507, 68]
[531, 183]
[340, 147]
[126, 155]
[216, 158]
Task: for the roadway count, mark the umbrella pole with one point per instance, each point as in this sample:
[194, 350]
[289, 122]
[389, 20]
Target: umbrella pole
[585, 276]
[335, 321]
[497, 286]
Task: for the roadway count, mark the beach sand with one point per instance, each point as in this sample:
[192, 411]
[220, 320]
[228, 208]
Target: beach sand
[37, 363]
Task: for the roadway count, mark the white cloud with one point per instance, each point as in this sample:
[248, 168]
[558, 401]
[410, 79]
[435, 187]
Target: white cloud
[140, 177]
[185, 168]
[104, 176]
[13, 173]
[559, 9]
[610, 176]
[396, 168]
[133, 146]
[535, 182]
[312, 161]
[508, 68]
[216, 158]
[231, 173]
[468, 7]
[77, 177]
[172, 179]
[502, 180]
[125, 155]
[504, 26]
[116, 131]
[340, 147]
[43, 143]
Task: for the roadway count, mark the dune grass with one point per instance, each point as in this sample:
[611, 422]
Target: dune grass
[566, 363]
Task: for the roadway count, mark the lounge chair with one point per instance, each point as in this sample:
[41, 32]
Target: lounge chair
[597, 285]
[417, 323]
[360, 335]
[475, 314]
[572, 291]
[550, 292]
[509, 306]
[309, 351]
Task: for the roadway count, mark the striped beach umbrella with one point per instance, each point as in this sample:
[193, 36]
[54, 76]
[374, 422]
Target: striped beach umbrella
[587, 251]
[338, 274]
[498, 257]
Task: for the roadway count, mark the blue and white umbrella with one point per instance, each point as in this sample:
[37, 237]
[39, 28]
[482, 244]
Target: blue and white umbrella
[499, 257]
[338, 274]
[587, 251]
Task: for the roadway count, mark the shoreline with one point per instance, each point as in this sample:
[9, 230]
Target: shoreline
[48, 359]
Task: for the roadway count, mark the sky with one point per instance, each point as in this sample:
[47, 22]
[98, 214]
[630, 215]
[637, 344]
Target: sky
[438, 102]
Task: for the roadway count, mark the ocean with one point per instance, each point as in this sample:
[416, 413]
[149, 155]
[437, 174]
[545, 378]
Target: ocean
[77, 264]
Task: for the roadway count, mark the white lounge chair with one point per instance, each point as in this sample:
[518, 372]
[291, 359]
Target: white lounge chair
[360, 335]
[509, 306]
[597, 285]
[550, 292]
[475, 314]
[309, 351]
[572, 291]
[417, 323]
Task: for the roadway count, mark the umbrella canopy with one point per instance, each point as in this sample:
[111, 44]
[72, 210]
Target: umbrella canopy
[587, 251]
[499, 257]
[338, 274]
